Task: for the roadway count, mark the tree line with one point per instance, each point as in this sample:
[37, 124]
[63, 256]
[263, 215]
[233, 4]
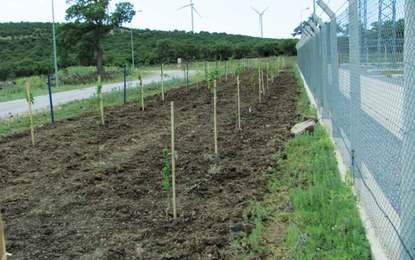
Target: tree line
[26, 48]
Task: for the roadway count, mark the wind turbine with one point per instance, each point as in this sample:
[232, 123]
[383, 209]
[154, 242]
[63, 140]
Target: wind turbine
[192, 9]
[261, 15]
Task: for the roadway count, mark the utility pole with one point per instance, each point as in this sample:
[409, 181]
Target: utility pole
[132, 43]
[55, 59]
[132, 49]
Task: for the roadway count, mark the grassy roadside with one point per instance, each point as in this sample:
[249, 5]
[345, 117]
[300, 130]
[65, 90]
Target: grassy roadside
[114, 98]
[78, 107]
[39, 83]
[308, 212]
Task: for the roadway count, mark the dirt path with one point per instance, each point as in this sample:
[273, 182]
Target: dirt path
[95, 193]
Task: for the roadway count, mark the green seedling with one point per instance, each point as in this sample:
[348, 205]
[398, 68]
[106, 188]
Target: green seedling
[254, 238]
[30, 101]
[213, 75]
[239, 69]
[166, 175]
[166, 171]
[141, 91]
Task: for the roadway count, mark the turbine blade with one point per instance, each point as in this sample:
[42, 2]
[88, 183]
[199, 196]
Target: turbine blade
[194, 9]
[183, 7]
[255, 10]
[266, 9]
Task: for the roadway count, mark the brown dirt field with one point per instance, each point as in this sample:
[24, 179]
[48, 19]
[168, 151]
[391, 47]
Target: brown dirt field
[91, 192]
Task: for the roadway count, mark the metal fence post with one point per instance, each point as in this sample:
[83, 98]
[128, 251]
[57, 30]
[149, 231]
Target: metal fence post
[407, 186]
[52, 114]
[187, 75]
[325, 61]
[332, 66]
[354, 47]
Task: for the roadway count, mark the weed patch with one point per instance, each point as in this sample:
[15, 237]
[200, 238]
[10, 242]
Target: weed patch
[308, 212]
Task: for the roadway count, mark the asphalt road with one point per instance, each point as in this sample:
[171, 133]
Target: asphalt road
[10, 109]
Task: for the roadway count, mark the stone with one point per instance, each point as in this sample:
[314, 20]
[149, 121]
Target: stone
[301, 128]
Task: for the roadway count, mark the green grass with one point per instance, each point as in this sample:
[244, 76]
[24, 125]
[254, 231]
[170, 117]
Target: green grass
[303, 104]
[307, 202]
[16, 90]
[76, 108]
[115, 98]
[325, 223]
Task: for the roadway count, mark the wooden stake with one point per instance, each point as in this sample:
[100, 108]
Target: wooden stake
[173, 162]
[187, 76]
[162, 83]
[263, 82]
[259, 85]
[267, 81]
[29, 102]
[239, 102]
[101, 101]
[3, 253]
[226, 70]
[215, 127]
[142, 93]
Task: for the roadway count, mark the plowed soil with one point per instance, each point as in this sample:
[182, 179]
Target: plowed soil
[91, 192]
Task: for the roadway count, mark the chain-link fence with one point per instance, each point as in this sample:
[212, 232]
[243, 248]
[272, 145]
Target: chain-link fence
[360, 68]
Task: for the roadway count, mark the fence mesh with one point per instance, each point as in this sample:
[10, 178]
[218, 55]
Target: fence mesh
[360, 68]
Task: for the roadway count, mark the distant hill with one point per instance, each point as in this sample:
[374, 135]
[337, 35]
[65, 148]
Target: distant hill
[26, 48]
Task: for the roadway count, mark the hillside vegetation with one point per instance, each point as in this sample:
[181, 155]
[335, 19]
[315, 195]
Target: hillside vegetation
[26, 48]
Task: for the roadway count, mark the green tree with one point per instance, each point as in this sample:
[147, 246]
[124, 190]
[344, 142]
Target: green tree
[96, 21]
[166, 50]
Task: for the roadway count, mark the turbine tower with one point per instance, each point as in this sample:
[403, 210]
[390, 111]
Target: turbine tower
[261, 15]
[192, 10]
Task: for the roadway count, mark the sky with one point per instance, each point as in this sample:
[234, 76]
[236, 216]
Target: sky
[230, 16]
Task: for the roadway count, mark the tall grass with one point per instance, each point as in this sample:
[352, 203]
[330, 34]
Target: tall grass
[325, 223]
[313, 209]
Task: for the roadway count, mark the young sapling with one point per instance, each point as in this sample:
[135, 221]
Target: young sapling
[140, 79]
[162, 82]
[263, 82]
[166, 175]
[3, 253]
[226, 70]
[173, 161]
[267, 75]
[100, 100]
[259, 84]
[238, 72]
[206, 71]
[213, 76]
[30, 101]
[215, 124]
